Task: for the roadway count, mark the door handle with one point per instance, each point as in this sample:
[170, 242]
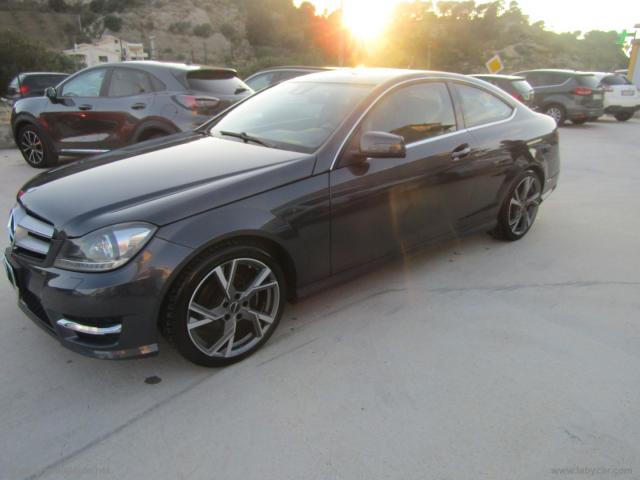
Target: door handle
[139, 106]
[85, 107]
[460, 152]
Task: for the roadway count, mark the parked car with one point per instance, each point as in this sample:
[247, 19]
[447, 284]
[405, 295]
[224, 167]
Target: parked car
[109, 106]
[207, 234]
[517, 87]
[272, 75]
[621, 97]
[566, 94]
[32, 84]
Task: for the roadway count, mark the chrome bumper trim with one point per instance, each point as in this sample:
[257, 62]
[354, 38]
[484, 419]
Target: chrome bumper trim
[78, 327]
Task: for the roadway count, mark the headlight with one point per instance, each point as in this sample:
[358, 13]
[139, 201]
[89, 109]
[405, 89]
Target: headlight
[104, 249]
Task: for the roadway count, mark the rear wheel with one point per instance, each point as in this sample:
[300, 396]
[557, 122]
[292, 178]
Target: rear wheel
[520, 207]
[556, 112]
[623, 116]
[226, 305]
[36, 148]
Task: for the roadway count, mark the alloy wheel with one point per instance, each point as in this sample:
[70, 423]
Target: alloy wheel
[233, 307]
[555, 113]
[32, 147]
[523, 205]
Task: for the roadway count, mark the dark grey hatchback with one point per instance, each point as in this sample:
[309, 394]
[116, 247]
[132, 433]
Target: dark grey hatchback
[204, 236]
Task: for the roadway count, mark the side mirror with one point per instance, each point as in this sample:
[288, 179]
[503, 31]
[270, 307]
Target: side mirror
[51, 93]
[382, 145]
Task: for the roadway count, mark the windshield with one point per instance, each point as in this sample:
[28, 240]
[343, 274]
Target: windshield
[298, 116]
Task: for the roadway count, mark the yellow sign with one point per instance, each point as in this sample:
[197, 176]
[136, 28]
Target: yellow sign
[495, 65]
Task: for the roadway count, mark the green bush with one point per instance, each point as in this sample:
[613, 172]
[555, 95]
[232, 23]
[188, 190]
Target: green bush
[180, 28]
[203, 30]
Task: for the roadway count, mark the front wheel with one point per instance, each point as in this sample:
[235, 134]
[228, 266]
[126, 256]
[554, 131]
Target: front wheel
[35, 147]
[520, 207]
[623, 116]
[226, 305]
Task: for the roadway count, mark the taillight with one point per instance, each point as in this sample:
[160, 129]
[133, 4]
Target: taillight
[24, 89]
[517, 96]
[583, 91]
[198, 105]
[607, 88]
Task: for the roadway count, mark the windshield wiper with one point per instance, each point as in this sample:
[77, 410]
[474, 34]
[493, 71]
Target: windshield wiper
[246, 137]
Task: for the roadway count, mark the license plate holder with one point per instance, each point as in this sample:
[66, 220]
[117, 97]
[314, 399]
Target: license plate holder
[627, 93]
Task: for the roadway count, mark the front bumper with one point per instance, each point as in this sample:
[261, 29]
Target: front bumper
[105, 315]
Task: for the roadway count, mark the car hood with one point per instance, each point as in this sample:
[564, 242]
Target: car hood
[160, 182]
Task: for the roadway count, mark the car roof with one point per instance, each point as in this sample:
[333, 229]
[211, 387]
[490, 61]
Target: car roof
[497, 76]
[557, 70]
[184, 67]
[373, 76]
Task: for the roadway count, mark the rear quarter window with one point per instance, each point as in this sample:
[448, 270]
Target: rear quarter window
[616, 80]
[216, 82]
[590, 81]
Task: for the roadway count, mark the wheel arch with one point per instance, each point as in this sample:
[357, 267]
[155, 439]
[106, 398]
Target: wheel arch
[153, 125]
[244, 238]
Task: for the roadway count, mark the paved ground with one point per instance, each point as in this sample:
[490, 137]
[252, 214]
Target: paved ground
[477, 359]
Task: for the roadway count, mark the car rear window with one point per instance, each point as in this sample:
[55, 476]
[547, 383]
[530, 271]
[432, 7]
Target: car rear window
[590, 81]
[41, 82]
[616, 80]
[217, 82]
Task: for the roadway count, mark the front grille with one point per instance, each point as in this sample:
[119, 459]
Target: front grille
[29, 235]
[33, 303]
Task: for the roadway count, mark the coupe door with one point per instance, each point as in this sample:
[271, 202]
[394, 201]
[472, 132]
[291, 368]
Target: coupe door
[383, 206]
[497, 146]
[75, 119]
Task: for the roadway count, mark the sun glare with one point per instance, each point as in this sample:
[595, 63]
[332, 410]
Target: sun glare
[367, 19]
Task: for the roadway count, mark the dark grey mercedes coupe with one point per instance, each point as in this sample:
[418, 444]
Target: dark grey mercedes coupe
[205, 236]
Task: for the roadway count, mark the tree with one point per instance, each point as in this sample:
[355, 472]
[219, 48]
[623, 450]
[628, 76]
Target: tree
[113, 23]
[58, 5]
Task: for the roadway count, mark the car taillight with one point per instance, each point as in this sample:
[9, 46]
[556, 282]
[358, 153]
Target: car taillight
[24, 89]
[583, 91]
[198, 105]
[517, 96]
[607, 88]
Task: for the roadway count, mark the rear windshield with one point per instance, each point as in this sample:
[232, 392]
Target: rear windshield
[590, 81]
[42, 81]
[215, 81]
[616, 80]
[522, 86]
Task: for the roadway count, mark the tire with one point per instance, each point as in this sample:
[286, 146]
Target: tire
[214, 326]
[557, 112]
[513, 224]
[581, 121]
[36, 148]
[623, 116]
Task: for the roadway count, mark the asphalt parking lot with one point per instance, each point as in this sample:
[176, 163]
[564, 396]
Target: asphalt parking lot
[475, 359]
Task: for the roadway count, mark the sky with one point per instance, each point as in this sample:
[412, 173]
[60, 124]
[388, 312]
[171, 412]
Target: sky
[558, 15]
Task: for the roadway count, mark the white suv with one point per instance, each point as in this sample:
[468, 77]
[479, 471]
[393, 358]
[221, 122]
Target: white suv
[621, 97]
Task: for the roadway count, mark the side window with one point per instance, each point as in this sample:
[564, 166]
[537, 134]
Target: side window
[86, 84]
[126, 82]
[480, 107]
[417, 112]
[290, 74]
[553, 78]
[261, 81]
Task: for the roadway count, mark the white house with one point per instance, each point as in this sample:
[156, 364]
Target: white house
[106, 50]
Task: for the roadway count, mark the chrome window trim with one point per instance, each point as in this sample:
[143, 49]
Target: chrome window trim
[513, 106]
[83, 150]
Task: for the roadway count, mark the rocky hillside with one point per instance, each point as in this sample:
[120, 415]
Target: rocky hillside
[202, 31]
